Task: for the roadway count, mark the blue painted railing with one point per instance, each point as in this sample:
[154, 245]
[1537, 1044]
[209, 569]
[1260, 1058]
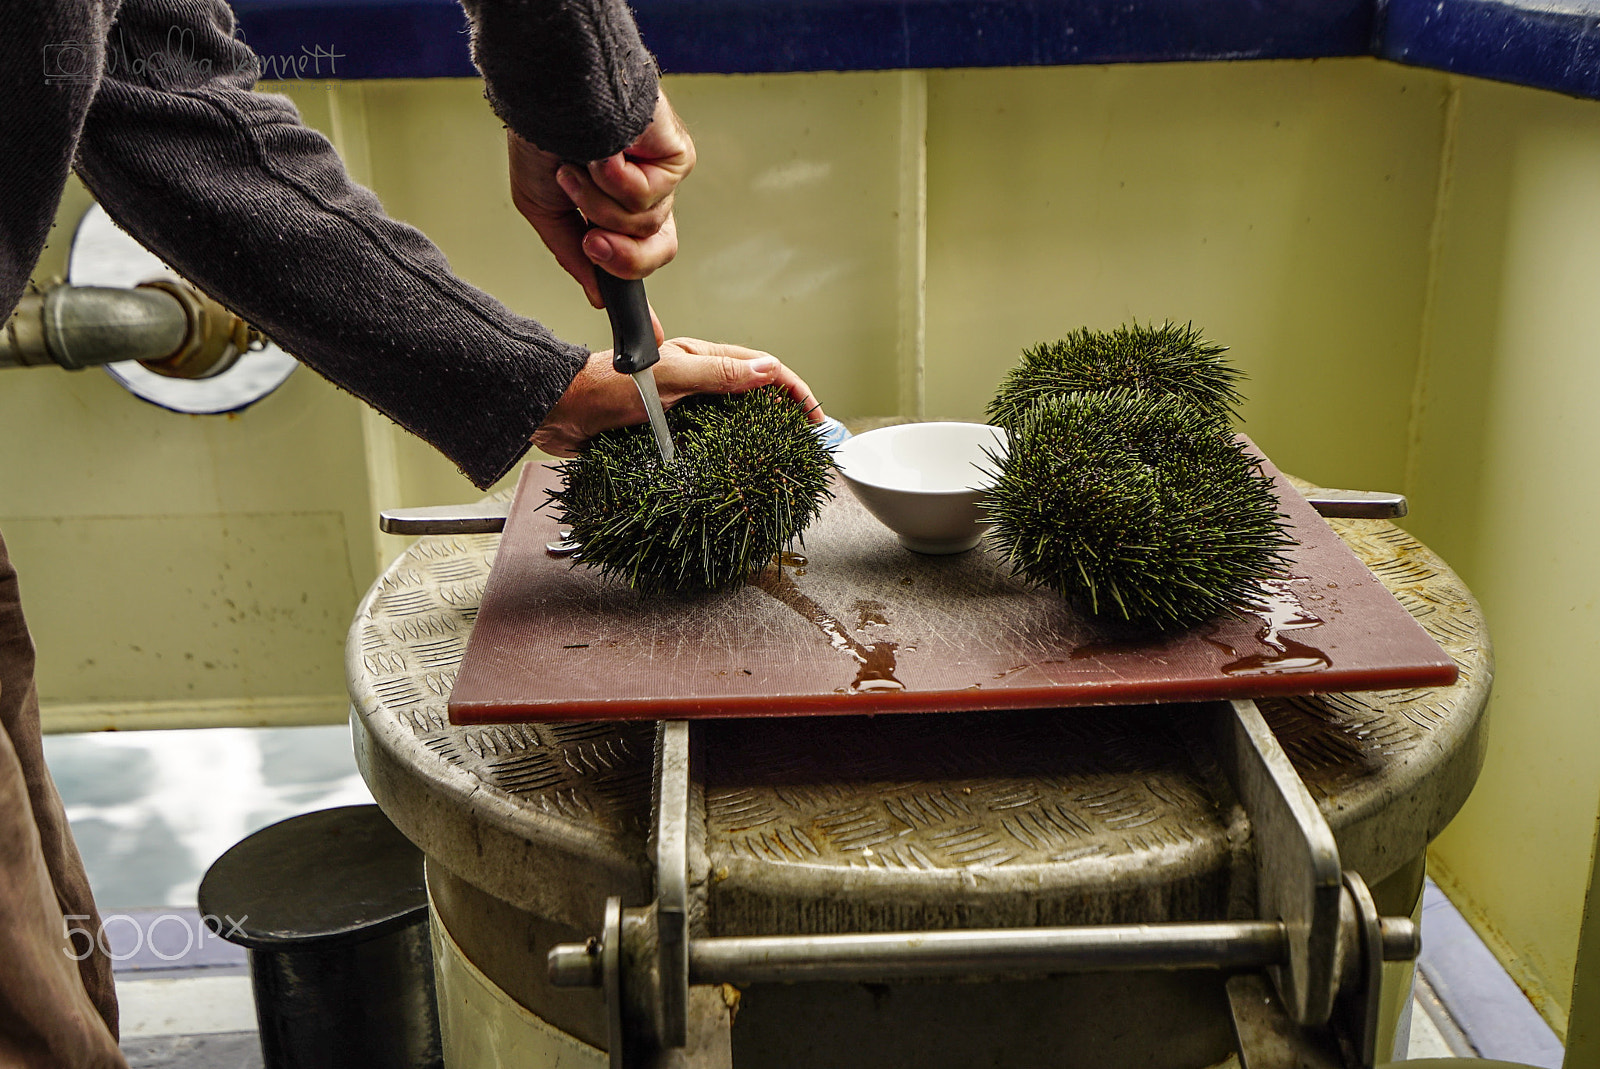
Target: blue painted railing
[1551, 45]
[1545, 45]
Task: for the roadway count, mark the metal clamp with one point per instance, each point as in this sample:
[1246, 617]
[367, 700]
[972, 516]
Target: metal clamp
[1267, 1035]
[1358, 504]
[1318, 936]
[641, 958]
[483, 517]
[672, 878]
[1297, 862]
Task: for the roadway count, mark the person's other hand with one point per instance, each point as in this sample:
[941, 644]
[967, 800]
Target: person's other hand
[600, 398]
[627, 198]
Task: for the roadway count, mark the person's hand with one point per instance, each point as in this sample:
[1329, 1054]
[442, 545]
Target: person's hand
[627, 198]
[599, 398]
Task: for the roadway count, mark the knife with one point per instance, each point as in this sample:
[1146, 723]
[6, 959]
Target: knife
[633, 347]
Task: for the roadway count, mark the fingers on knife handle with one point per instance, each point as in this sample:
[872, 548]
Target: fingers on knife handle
[633, 335]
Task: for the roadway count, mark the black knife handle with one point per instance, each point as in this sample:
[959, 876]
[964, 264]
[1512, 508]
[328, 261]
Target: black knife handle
[633, 338]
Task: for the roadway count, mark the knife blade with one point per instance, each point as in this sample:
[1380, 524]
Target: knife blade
[646, 382]
[633, 348]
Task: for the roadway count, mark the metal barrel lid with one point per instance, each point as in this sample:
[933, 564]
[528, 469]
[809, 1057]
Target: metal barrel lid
[315, 881]
[1097, 815]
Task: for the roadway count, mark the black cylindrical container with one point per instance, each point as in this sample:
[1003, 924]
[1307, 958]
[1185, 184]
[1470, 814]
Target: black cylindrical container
[332, 908]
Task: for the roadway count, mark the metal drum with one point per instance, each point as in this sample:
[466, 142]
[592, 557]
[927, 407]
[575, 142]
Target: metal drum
[906, 822]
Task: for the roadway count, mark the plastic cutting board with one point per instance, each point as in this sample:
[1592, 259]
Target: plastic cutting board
[852, 623]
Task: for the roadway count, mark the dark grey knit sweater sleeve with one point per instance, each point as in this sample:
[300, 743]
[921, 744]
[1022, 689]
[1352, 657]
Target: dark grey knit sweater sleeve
[229, 188]
[534, 52]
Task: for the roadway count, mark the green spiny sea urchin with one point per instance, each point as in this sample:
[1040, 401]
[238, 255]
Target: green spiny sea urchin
[1164, 360]
[750, 474]
[1136, 507]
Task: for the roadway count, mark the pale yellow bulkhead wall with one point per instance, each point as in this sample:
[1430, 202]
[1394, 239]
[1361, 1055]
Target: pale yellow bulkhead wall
[1405, 265]
[1282, 207]
[181, 570]
[1504, 485]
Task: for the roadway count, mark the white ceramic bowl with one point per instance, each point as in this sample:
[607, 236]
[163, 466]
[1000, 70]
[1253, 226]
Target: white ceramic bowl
[924, 480]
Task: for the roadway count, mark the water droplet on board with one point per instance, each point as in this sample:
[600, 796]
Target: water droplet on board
[1294, 657]
[1279, 610]
[869, 678]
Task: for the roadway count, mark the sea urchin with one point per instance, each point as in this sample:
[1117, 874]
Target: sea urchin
[750, 474]
[1165, 360]
[1135, 506]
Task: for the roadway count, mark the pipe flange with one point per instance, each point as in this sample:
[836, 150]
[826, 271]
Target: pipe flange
[215, 340]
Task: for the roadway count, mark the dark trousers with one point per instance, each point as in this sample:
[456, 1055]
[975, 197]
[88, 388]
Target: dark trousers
[56, 1012]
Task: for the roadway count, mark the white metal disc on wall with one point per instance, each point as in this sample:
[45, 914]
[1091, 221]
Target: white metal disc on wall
[103, 254]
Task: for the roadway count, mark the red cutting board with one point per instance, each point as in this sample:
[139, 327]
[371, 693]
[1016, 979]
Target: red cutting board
[856, 624]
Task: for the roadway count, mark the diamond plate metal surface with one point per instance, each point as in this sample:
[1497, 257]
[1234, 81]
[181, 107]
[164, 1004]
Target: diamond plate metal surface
[832, 824]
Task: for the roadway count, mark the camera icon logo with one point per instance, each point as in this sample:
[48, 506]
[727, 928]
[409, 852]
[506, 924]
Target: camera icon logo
[68, 63]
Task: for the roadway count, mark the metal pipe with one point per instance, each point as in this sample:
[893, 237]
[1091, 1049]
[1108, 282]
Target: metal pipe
[892, 955]
[904, 955]
[1401, 938]
[170, 327]
[83, 326]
